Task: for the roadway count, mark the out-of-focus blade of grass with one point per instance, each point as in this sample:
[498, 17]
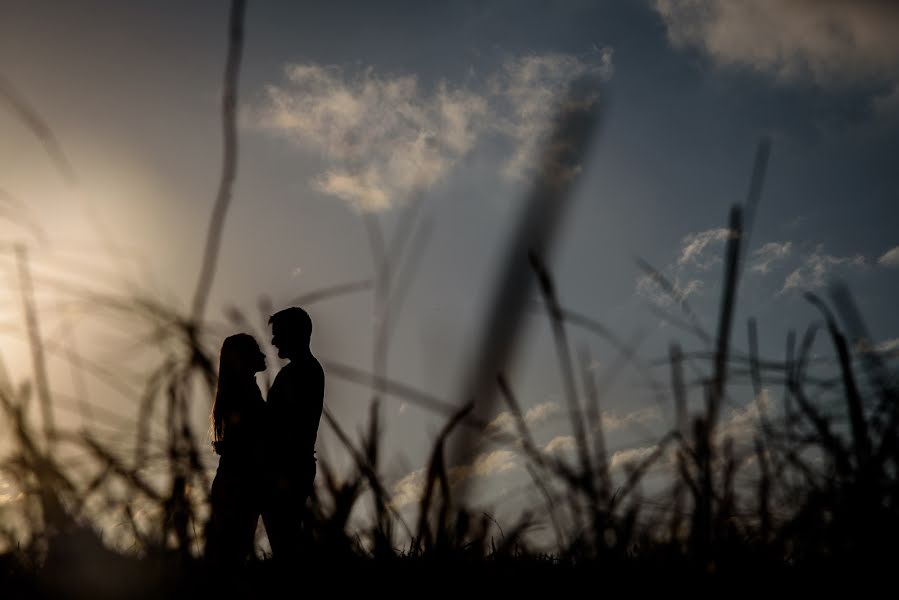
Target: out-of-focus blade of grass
[879, 376]
[229, 159]
[437, 473]
[625, 349]
[78, 382]
[754, 368]
[33, 120]
[695, 326]
[561, 161]
[367, 466]
[828, 440]
[400, 390]
[407, 271]
[594, 417]
[681, 324]
[566, 366]
[18, 213]
[756, 183]
[859, 426]
[725, 317]
[679, 390]
[39, 364]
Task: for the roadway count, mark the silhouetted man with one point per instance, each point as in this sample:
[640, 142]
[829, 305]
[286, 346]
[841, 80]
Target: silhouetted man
[294, 408]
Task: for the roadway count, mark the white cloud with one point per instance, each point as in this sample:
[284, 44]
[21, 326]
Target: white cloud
[694, 244]
[611, 422]
[698, 253]
[410, 488]
[526, 92]
[817, 268]
[865, 346]
[489, 463]
[831, 42]
[541, 412]
[560, 444]
[741, 424]
[630, 457]
[565, 445]
[768, 254]
[386, 137]
[890, 258]
[649, 288]
[504, 422]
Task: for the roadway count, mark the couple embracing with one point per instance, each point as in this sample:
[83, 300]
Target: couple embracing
[267, 447]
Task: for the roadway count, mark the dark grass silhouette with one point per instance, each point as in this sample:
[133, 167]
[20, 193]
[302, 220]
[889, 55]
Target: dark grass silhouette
[815, 495]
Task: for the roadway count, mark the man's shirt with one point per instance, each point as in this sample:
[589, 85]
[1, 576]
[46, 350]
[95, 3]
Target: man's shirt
[294, 409]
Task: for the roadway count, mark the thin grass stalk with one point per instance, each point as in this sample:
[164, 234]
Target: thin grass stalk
[566, 367]
[859, 427]
[36, 345]
[560, 163]
[594, 415]
[229, 159]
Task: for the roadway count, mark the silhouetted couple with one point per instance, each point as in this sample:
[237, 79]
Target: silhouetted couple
[267, 448]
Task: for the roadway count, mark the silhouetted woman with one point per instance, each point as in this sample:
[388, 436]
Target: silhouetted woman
[237, 429]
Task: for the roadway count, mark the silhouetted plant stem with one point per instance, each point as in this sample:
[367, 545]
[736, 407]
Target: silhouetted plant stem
[39, 364]
[229, 160]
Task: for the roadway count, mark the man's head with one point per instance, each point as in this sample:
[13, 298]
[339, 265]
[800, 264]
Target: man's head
[291, 332]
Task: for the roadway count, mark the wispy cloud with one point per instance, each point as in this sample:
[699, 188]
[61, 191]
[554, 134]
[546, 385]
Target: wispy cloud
[818, 267]
[410, 488]
[560, 444]
[386, 137]
[741, 424]
[649, 288]
[864, 346]
[611, 423]
[694, 245]
[698, 253]
[504, 422]
[620, 459]
[890, 258]
[769, 254]
[630, 457]
[525, 93]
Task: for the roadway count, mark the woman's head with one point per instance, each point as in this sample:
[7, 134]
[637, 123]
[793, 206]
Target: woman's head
[240, 356]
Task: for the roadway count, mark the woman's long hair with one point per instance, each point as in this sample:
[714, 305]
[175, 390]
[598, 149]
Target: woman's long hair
[237, 353]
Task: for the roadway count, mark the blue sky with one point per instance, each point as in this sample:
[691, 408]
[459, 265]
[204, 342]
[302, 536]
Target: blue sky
[341, 101]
